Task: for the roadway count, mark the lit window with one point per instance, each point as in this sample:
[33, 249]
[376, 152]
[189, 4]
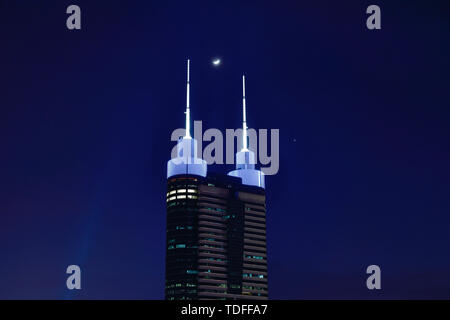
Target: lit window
[191, 271]
[180, 246]
[254, 257]
[181, 197]
[171, 198]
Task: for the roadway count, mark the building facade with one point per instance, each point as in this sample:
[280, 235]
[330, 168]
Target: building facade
[216, 239]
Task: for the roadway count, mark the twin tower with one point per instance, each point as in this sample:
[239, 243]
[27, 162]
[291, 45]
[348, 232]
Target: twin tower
[216, 225]
[187, 161]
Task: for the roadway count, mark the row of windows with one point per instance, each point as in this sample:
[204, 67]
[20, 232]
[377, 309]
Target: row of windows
[183, 196]
[253, 237]
[191, 271]
[182, 191]
[180, 246]
[182, 298]
[261, 228]
[176, 204]
[221, 285]
[218, 285]
[176, 263]
[251, 275]
[254, 209]
[202, 250]
[212, 291]
[254, 257]
[184, 291]
[180, 285]
[212, 246]
[176, 246]
[211, 234]
[201, 277]
[205, 221]
[253, 288]
[214, 209]
[255, 219]
[180, 207]
[183, 227]
[213, 259]
[212, 239]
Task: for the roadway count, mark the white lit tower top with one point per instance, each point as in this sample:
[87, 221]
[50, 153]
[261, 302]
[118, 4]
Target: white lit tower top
[186, 160]
[245, 159]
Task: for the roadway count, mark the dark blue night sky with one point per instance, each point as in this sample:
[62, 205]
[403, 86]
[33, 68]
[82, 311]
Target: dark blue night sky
[364, 120]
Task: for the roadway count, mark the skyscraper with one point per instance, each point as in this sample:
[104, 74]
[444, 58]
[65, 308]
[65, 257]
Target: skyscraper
[216, 226]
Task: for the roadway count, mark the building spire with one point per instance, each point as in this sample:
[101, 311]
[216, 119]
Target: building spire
[245, 159]
[188, 111]
[244, 117]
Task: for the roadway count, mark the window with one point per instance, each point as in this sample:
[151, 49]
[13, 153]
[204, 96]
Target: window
[171, 198]
[191, 271]
[216, 209]
[250, 275]
[254, 257]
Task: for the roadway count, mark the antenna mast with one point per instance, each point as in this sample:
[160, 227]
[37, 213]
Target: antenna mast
[244, 117]
[188, 111]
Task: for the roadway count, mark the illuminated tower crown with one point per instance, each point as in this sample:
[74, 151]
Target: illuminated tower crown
[245, 159]
[186, 161]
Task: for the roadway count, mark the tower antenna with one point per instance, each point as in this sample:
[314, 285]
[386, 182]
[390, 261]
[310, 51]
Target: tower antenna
[244, 117]
[188, 111]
